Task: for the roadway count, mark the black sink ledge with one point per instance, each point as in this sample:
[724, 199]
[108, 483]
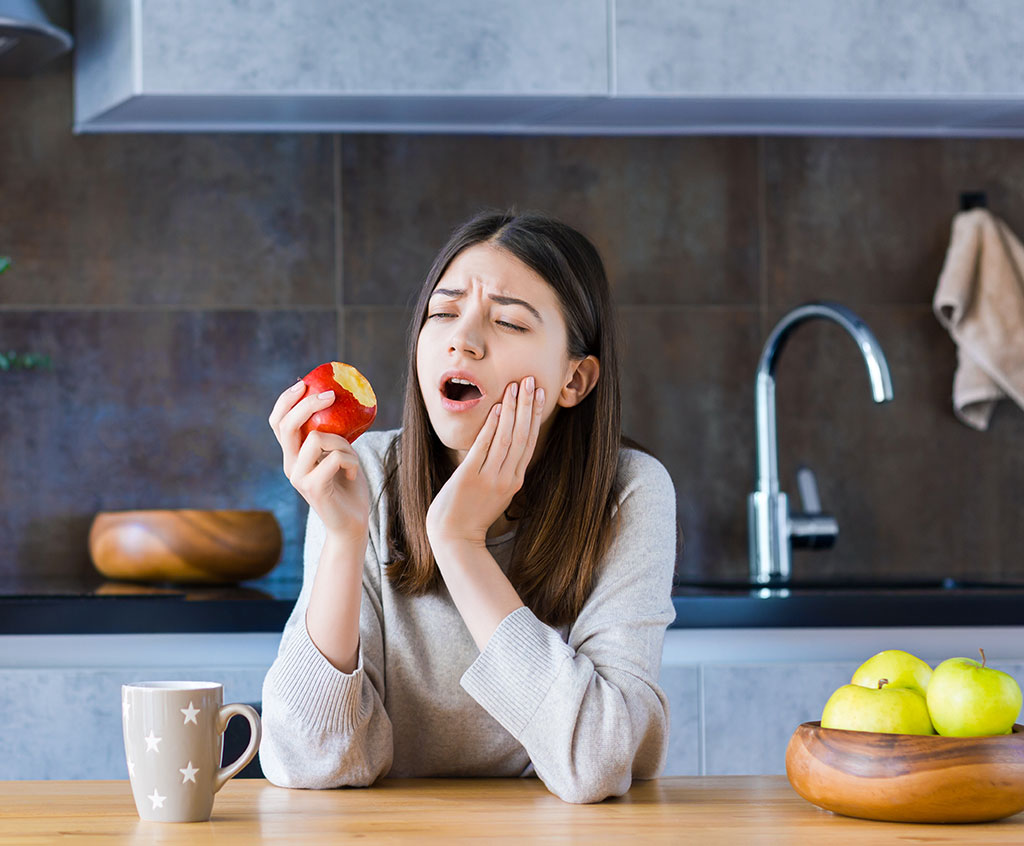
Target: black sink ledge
[96, 607]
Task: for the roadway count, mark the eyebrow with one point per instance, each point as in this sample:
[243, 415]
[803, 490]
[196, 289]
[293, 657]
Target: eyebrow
[455, 293]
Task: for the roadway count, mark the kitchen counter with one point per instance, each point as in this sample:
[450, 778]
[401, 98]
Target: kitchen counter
[89, 605]
[938, 602]
[699, 809]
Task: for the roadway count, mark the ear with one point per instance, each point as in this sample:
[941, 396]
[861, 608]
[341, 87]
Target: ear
[584, 377]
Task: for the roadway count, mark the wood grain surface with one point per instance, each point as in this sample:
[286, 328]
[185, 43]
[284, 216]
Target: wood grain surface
[701, 810]
[185, 545]
[904, 777]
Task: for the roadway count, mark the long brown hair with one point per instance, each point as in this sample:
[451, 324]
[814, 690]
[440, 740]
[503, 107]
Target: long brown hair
[565, 510]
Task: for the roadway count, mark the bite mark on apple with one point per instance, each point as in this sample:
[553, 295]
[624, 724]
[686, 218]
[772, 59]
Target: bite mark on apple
[354, 382]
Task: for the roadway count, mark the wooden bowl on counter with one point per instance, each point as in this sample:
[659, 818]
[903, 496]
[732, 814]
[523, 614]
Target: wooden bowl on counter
[908, 777]
[185, 545]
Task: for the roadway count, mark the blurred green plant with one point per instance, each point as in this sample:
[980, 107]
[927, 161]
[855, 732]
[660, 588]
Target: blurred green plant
[12, 360]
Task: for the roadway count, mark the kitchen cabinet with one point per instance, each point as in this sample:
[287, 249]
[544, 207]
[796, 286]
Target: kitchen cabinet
[67, 723]
[320, 64]
[870, 49]
[750, 711]
[60, 694]
[735, 695]
[816, 67]
[532, 66]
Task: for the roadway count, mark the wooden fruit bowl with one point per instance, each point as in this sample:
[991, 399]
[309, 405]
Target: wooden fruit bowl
[185, 545]
[908, 777]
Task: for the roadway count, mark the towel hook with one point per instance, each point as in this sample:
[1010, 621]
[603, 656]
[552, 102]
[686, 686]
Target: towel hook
[973, 200]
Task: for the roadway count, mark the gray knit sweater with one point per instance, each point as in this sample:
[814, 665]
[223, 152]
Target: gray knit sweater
[578, 706]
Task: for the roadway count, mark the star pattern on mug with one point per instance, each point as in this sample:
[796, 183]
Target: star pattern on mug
[190, 713]
[152, 742]
[125, 707]
[189, 773]
[156, 799]
[131, 768]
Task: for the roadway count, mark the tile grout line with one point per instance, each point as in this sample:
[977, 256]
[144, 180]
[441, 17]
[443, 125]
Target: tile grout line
[13, 308]
[762, 215]
[339, 286]
[157, 309]
[169, 308]
[613, 59]
[701, 752]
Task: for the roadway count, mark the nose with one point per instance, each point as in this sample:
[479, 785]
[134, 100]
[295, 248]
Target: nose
[465, 339]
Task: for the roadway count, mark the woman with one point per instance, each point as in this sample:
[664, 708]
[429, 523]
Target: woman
[501, 607]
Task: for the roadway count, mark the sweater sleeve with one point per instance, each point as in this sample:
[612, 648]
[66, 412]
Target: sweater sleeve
[589, 712]
[322, 727]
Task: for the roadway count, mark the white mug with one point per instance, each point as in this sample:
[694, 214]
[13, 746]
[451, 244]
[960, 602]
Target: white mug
[173, 739]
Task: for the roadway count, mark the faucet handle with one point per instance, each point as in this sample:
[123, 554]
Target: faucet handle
[807, 484]
[812, 528]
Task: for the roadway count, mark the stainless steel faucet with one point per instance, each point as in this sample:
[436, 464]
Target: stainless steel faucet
[771, 525]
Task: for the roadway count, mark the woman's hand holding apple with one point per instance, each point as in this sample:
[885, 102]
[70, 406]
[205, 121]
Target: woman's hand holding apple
[323, 467]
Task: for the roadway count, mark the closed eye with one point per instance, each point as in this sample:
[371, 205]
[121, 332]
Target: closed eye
[499, 322]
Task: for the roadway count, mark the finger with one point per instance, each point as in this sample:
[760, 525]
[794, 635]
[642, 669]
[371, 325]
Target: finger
[288, 428]
[304, 409]
[523, 422]
[322, 476]
[478, 451]
[285, 401]
[531, 443]
[502, 440]
[313, 450]
[329, 441]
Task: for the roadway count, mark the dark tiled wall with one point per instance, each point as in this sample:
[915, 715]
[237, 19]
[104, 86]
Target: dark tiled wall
[181, 282]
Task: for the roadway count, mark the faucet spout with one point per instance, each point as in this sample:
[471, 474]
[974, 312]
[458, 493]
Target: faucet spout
[768, 510]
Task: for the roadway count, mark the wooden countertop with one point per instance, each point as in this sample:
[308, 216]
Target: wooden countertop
[695, 809]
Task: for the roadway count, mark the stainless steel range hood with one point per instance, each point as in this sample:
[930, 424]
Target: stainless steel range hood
[28, 40]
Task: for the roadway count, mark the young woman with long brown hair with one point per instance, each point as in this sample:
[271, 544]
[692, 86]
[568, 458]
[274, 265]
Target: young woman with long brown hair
[487, 588]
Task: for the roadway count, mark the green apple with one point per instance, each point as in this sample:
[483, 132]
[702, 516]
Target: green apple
[901, 669]
[967, 699]
[891, 710]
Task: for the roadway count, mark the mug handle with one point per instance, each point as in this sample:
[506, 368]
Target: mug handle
[226, 713]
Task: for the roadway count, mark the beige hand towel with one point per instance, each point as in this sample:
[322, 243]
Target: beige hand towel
[980, 300]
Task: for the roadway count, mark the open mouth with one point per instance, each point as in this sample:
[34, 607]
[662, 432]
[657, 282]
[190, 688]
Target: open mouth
[459, 390]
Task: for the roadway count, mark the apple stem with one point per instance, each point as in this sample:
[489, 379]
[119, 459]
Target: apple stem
[881, 682]
[982, 651]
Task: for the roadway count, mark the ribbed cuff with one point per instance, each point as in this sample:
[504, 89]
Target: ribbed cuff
[314, 690]
[514, 673]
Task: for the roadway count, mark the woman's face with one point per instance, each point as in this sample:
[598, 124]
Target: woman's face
[473, 326]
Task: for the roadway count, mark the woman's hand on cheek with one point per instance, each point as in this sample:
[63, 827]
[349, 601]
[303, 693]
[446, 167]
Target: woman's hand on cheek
[482, 486]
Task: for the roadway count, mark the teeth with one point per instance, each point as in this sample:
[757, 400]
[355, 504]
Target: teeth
[459, 381]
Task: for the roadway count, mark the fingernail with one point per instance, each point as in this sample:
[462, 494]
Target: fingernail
[514, 390]
[529, 383]
[497, 410]
[325, 394]
[298, 385]
[540, 396]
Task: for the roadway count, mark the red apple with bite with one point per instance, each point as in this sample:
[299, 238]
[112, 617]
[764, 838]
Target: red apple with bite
[354, 406]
